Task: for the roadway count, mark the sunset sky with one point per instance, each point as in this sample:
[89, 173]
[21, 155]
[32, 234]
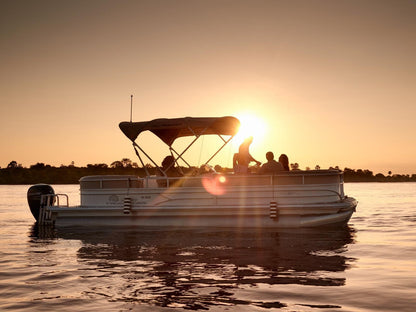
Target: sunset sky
[327, 82]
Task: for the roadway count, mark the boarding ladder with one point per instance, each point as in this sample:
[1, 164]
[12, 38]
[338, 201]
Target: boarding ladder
[47, 201]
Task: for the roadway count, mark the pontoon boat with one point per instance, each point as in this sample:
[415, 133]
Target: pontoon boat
[226, 200]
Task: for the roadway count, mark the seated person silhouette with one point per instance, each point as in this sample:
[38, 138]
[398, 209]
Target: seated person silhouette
[168, 169]
[272, 166]
[284, 160]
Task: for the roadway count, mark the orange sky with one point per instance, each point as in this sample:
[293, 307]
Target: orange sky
[333, 81]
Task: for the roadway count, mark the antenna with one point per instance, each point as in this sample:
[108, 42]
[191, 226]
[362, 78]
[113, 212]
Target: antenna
[131, 107]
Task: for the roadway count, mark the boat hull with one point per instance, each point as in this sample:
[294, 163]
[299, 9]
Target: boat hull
[223, 222]
[288, 201]
[230, 217]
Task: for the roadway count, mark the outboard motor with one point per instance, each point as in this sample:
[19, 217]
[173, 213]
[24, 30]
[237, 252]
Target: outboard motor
[34, 194]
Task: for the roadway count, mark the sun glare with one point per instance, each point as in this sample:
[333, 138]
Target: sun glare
[251, 125]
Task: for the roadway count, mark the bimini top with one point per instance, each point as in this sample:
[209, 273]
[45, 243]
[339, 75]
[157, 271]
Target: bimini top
[168, 130]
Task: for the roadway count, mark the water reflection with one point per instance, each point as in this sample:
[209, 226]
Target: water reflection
[195, 269]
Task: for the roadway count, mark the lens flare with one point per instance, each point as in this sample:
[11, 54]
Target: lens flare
[214, 183]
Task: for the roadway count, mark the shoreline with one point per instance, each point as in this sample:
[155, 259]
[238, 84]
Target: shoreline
[71, 175]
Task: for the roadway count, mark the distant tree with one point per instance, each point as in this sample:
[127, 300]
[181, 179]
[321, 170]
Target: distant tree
[127, 163]
[12, 164]
[380, 177]
[116, 164]
[294, 166]
[317, 167]
[37, 166]
[124, 163]
[97, 166]
[389, 173]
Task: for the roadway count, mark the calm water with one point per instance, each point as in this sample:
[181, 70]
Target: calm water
[368, 266]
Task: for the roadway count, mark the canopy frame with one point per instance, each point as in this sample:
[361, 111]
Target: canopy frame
[227, 126]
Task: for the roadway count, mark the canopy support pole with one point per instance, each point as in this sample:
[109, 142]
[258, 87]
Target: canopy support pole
[138, 155]
[179, 156]
[176, 155]
[225, 143]
[141, 161]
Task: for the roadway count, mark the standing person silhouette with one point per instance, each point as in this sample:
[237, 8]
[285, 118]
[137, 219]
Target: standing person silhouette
[243, 158]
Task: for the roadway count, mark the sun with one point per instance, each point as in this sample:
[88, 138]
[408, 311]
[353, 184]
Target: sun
[251, 125]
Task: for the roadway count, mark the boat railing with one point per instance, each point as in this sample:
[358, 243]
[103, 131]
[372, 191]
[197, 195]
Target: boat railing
[287, 178]
[339, 195]
[319, 178]
[49, 200]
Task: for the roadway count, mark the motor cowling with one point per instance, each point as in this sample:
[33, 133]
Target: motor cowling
[34, 194]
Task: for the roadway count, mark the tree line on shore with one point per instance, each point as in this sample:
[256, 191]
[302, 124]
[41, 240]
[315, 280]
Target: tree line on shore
[15, 173]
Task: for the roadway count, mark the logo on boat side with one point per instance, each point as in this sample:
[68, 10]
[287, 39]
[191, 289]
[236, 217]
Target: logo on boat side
[113, 199]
